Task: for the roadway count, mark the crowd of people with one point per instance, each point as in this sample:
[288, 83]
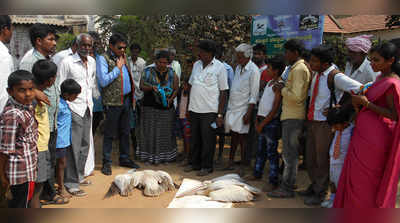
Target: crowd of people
[53, 103]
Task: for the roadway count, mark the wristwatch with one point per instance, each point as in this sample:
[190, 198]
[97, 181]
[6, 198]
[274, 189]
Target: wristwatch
[220, 115]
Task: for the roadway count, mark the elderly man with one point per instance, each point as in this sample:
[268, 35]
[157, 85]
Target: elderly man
[242, 99]
[209, 84]
[358, 67]
[82, 68]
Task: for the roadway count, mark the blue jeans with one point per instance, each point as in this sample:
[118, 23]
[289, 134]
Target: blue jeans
[117, 124]
[267, 149]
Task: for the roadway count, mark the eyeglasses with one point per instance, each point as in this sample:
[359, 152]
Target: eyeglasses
[122, 47]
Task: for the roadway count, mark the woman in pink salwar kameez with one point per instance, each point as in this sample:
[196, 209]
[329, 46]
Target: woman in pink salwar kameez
[370, 174]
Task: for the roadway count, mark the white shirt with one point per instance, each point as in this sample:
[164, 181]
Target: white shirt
[177, 68]
[267, 101]
[245, 87]
[6, 68]
[73, 68]
[342, 84]
[58, 57]
[363, 74]
[137, 70]
[206, 84]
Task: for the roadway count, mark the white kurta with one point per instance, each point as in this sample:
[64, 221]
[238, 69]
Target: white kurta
[244, 91]
[6, 67]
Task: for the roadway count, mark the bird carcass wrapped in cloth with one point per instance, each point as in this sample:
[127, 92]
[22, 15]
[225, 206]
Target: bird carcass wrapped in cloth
[152, 182]
[228, 188]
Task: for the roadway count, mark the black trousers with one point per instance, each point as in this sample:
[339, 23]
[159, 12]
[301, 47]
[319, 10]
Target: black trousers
[49, 191]
[97, 118]
[203, 140]
[20, 195]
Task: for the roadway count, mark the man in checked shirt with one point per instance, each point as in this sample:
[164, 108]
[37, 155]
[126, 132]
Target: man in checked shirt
[18, 138]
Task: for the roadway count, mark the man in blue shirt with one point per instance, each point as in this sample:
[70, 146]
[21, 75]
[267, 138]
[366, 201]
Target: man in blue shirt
[117, 86]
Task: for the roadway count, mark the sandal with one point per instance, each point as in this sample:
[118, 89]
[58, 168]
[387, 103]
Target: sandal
[85, 183]
[77, 193]
[57, 200]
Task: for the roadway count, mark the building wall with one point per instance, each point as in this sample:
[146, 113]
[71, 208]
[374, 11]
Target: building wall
[20, 42]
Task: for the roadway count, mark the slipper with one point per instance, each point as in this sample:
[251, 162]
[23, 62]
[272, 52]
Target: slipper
[77, 193]
[57, 200]
[85, 183]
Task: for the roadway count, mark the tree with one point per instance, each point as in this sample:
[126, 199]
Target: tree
[179, 31]
[392, 20]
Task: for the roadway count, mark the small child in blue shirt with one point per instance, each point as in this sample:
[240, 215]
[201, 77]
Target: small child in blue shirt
[70, 89]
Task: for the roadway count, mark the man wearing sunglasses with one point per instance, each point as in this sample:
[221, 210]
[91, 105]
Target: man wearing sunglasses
[116, 81]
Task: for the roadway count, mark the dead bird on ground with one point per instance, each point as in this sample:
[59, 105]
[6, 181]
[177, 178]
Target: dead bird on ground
[227, 188]
[152, 182]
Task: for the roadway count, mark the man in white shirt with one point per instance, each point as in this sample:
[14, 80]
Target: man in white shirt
[358, 67]
[6, 61]
[137, 65]
[209, 85]
[319, 134]
[58, 57]
[6, 68]
[176, 66]
[243, 97]
[82, 68]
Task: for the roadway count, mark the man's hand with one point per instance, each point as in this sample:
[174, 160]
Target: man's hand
[120, 62]
[220, 122]
[246, 118]
[259, 128]
[155, 89]
[170, 102]
[326, 110]
[359, 100]
[41, 97]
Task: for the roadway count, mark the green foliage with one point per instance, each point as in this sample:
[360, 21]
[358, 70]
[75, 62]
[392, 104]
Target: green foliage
[65, 41]
[392, 20]
[179, 31]
[337, 42]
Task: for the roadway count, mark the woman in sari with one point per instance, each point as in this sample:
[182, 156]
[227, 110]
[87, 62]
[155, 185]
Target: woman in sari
[371, 170]
[159, 84]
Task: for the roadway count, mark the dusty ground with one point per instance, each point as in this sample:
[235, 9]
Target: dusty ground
[101, 183]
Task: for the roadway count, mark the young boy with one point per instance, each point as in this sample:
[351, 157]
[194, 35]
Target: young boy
[184, 122]
[70, 90]
[18, 137]
[268, 125]
[44, 72]
[341, 122]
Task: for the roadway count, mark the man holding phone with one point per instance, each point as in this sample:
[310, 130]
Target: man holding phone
[116, 81]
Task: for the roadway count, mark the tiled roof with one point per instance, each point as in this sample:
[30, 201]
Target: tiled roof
[355, 24]
[58, 20]
[330, 26]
